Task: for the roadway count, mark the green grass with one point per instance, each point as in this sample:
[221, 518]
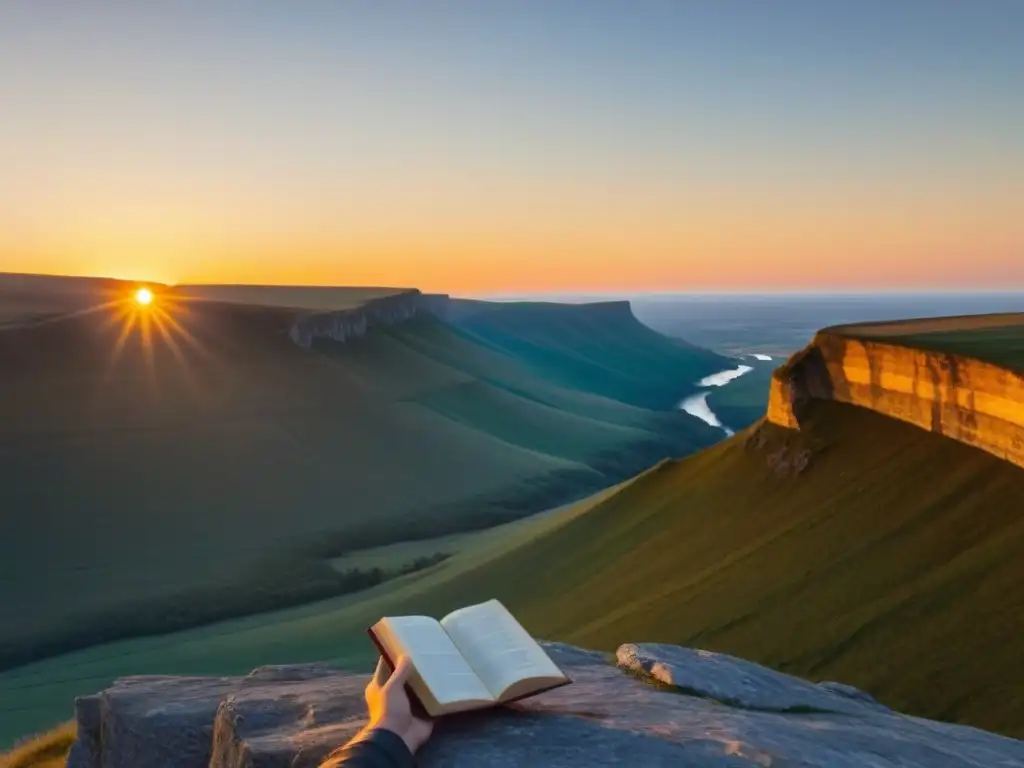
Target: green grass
[996, 338]
[605, 350]
[892, 563]
[392, 559]
[38, 695]
[1003, 346]
[173, 485]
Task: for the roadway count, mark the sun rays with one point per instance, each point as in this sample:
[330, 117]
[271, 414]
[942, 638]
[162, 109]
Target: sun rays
[151, 320]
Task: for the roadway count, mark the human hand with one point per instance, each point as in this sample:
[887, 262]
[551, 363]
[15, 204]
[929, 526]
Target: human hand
[390, 707]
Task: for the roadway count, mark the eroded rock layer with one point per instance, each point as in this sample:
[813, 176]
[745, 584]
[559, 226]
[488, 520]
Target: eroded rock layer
[344, 324]
[975, 402]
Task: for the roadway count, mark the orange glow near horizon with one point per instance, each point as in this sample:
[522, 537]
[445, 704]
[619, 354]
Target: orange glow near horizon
[559, 148]
[564, 237]
[750, 253]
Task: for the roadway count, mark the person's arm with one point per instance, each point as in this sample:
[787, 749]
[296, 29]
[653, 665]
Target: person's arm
[393, 734]
[372, 748]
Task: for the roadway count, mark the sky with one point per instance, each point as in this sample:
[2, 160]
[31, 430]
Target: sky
[500, 146]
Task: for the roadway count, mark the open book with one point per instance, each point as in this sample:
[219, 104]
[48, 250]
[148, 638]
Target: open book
[475, 657]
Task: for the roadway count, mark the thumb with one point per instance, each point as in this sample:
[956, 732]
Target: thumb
[401, 674]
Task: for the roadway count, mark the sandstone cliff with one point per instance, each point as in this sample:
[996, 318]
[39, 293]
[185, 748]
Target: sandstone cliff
[970, 400]
[344, 324]
[666, 706]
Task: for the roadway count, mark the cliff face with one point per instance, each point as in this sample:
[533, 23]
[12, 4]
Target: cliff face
[345, 324]
[969, 400]
[705, 709]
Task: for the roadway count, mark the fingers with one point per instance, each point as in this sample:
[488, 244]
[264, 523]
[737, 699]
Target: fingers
[401, 674]
[380, 675]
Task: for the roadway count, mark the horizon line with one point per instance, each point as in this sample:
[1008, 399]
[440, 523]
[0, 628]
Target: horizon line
[694, 292]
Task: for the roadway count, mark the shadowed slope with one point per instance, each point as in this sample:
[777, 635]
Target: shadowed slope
[214, 471]
[600, 348]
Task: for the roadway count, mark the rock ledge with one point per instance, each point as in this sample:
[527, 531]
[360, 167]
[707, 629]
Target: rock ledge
[664, 706]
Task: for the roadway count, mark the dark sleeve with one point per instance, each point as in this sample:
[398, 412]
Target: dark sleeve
[375, 748]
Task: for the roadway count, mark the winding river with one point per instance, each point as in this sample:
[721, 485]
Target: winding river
[697, 405]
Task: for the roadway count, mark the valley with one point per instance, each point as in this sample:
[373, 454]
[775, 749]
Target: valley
[194, 463]
[593, 509]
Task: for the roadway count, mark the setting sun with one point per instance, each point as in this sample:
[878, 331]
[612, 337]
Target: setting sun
[143, 296]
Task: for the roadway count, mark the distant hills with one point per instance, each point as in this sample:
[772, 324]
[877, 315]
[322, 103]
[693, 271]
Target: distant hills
[214, 469]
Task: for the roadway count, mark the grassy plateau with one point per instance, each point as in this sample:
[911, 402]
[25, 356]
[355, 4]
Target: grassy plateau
[997, 338]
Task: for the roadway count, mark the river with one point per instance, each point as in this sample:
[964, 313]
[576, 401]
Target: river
[697, 405]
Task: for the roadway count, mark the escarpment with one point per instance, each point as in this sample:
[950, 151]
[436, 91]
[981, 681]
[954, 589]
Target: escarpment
[344, 324]
[962, 397]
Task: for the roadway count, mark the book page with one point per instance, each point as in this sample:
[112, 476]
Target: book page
[499, 649]
[436, 660]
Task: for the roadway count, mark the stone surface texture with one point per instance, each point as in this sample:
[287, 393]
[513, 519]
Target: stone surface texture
[659, 705]
[969, 400]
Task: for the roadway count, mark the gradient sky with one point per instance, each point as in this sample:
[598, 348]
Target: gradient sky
[477, 147]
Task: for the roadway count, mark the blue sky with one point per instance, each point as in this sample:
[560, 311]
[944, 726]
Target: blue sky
[661, 145]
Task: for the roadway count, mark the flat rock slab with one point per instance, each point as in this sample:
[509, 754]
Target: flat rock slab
[671, 706]
[740, 683]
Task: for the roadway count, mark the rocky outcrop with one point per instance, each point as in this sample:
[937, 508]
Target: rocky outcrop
[344, 324]
[663, 706]
[975, 402]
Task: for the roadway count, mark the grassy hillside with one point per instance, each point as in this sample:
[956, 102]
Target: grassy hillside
[35, 696]
[317, 298]
[604, 350]
[891, 562]
[26, 298]
[215, 470]
[1003, 346]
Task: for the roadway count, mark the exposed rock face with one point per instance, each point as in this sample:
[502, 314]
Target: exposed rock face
[353, 323]
[705, 710]
[969, 400]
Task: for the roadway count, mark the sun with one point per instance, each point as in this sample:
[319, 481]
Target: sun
[143, 297]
